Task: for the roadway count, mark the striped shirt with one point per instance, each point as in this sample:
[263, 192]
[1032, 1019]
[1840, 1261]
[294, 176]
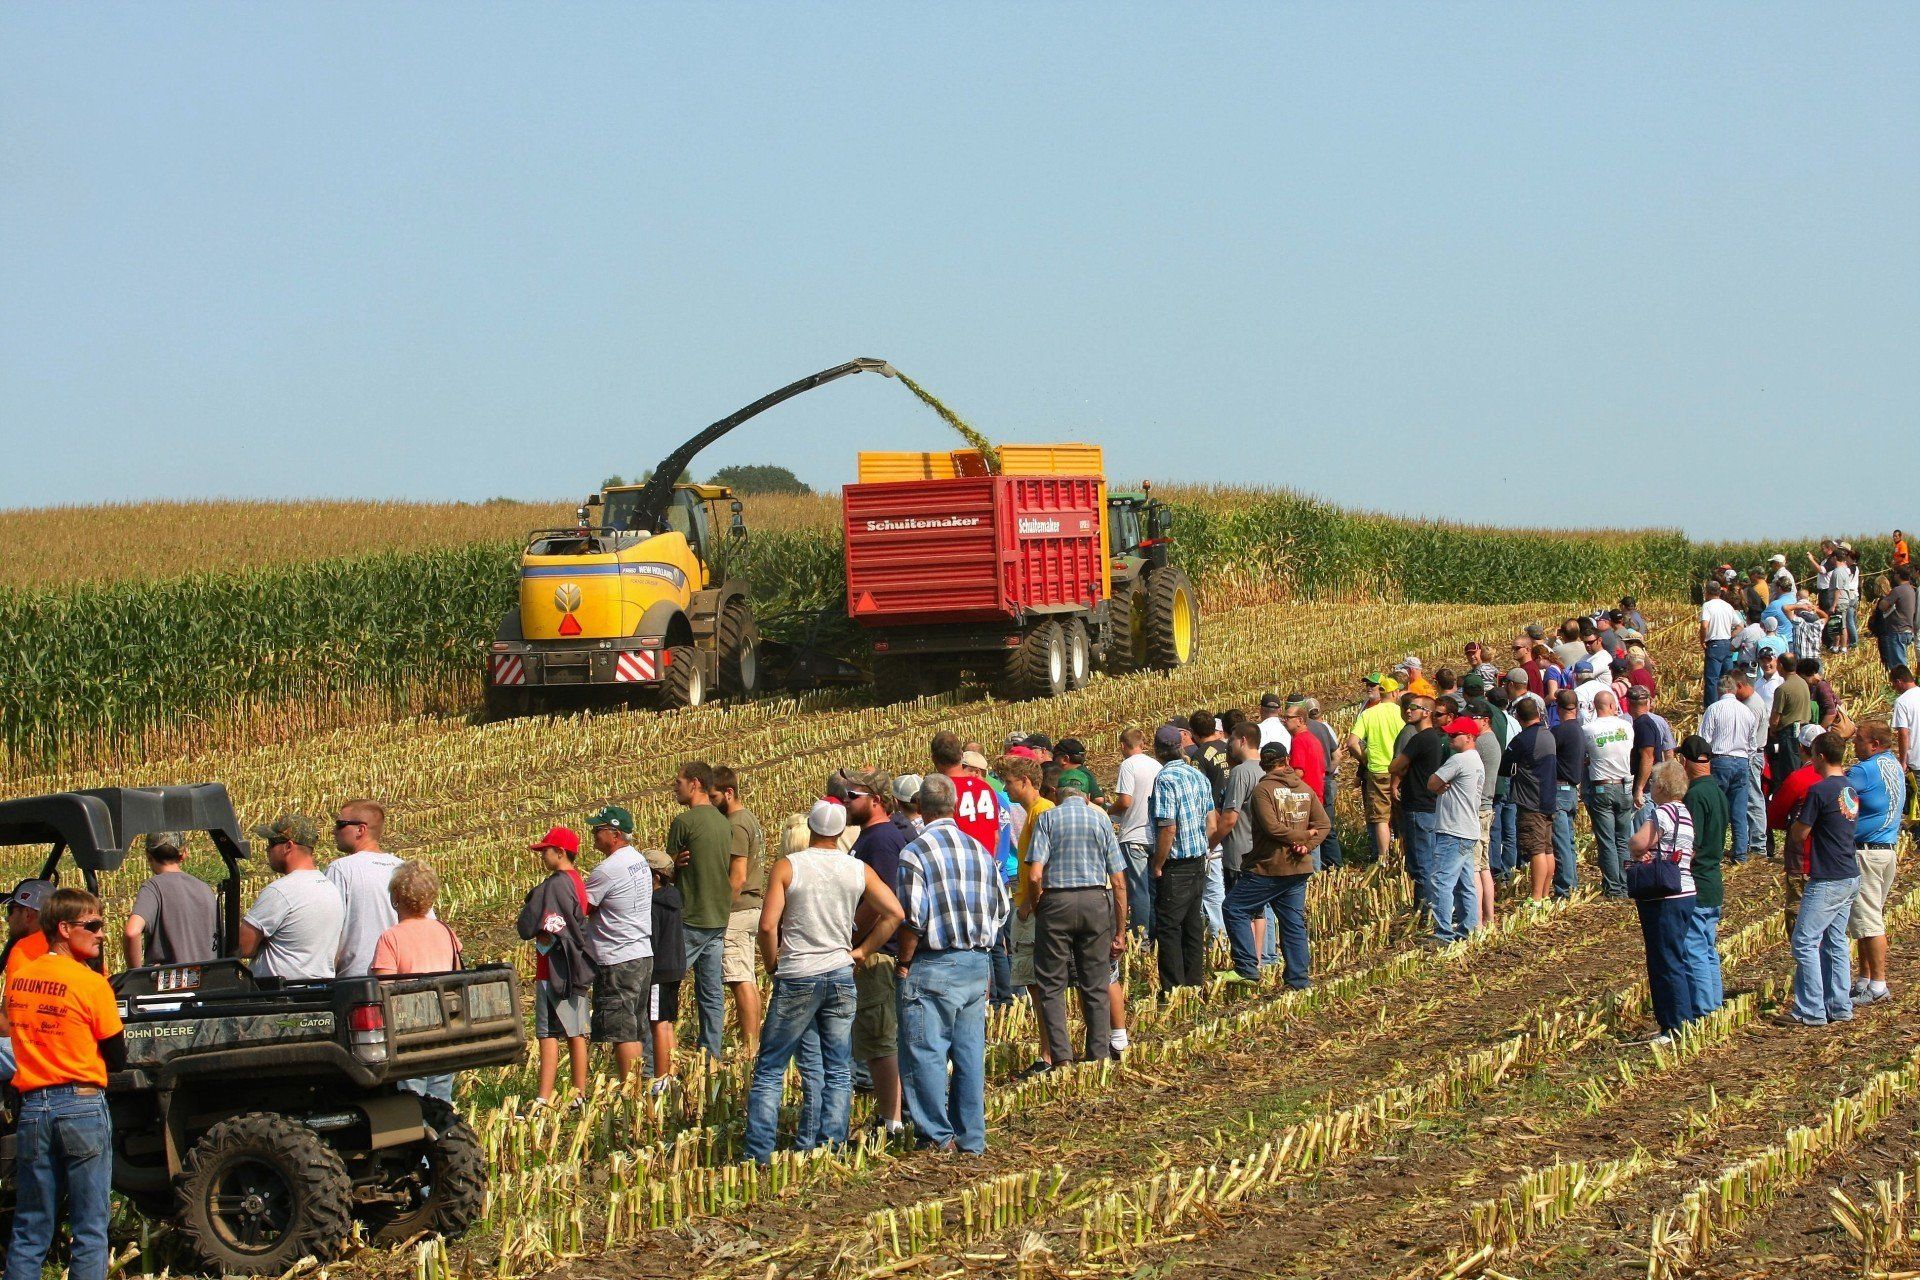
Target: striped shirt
[1183, 799]
[950, 889]
[1075, 843]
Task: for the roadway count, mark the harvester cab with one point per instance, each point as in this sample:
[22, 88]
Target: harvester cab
[633, 602]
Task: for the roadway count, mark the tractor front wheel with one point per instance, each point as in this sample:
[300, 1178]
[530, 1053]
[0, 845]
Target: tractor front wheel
[1173, 620]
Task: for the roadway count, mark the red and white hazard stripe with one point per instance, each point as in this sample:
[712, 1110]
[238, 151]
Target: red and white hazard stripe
[637, 666]
[509, 669]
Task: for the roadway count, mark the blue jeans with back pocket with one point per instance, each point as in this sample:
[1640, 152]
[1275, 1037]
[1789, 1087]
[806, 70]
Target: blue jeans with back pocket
[64, 1151]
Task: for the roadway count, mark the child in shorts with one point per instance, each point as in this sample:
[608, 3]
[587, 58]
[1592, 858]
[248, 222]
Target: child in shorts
[669, 966]
[554, 919]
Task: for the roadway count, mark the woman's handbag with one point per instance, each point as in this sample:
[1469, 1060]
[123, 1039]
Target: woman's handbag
[1654, 877]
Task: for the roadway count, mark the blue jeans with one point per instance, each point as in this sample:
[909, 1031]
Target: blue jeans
[1139, 888]
[440, 1087]
[1610, 809]
[64, 1153]
[1756, 807]
[706, 951]
[1214, 896]
[1822, 968]
[1566, 872]
[1419, 837]
[1503, 842]
[1716, 661]
[943, 1019]
[1000, 965]
[823, 1005]
[1329, 851]
[1733, 776]
[1703, 960]
[1281, 896]
[1456, 888]
[1664, 925]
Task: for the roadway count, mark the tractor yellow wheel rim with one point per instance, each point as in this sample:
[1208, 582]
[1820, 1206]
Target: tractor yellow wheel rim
[1183, 625]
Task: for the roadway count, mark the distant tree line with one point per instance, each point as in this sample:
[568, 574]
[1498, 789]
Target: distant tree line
[758, 477]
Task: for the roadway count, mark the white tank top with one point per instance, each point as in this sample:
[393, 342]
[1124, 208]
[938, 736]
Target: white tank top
[816, 928]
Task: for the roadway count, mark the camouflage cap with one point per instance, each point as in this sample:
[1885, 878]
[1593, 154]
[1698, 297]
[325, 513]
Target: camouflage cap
[873, 781]
[291, 828]
[174, 840]
[611, 815]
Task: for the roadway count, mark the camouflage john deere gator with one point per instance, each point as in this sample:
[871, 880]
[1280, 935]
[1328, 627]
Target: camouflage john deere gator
[263, 1117]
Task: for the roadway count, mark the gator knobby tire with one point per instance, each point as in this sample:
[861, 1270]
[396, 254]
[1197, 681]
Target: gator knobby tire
[738, 640]
[295, 1176]
[685, 684]
[455, 1177]
[1171, 642]
[1038, 668]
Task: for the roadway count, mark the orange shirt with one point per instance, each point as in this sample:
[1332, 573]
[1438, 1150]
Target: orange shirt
[1422, 686]
[60, 1011]
[1900, 552]
[25, 951]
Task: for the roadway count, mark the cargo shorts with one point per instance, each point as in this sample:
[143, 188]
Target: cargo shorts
[622, 1000]
[738, 961]
[1376, 797]
[876, 1015]
[1869, 918]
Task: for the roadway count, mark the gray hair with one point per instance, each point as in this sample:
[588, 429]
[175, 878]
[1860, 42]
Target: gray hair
[1074, 788]
[937, 797]
[1727, 683]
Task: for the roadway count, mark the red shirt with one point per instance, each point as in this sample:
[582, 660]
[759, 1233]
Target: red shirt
[976, 810]
[1308, 757]
[1536, 682]
[1786, 803]
[580, 888]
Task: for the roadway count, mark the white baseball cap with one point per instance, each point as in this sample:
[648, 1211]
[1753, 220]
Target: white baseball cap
[827, 818]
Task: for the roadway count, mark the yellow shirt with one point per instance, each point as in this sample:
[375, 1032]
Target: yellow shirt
[1378, 728]
[1022, 890]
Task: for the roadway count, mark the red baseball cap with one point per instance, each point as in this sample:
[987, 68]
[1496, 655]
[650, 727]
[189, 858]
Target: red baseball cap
[1463, 725]
[558, 838]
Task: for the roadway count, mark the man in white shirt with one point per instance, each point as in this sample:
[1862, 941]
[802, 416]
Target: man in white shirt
[1745, 683]
[1728, 726]
[1132, 813]
[362, 877]
[620, 924]
[292, 931]
[1779, 577]
[1610, 787]
[1769, 679]
[1589, 684]
[1273, 727]
[1906, 724]
[1718, 621]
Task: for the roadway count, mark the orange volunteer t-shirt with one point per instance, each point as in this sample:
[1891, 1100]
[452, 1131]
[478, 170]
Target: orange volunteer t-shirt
[60, 1011]
[25, 952]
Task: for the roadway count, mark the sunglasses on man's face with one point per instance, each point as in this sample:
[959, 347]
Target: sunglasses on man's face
[94, 925]
[339, 823]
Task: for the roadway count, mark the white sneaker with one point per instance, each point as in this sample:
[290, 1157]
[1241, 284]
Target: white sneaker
[1118, 1040]
[1859, 991]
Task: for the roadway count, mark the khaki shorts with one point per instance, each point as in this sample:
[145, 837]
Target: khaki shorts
[1536, 835]
[1481, 862]
[1376, 797]
[1869, 919]
[1021, 936]
[741, 956]
[876, 1017]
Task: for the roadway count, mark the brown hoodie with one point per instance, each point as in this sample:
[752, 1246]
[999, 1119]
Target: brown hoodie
[1285, 813]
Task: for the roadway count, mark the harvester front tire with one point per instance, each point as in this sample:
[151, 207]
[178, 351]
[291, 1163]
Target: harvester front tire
[685, 684]
[1173, 620]
[739, 645]
[262, 1191]
[1038, 668]
[449, 1189]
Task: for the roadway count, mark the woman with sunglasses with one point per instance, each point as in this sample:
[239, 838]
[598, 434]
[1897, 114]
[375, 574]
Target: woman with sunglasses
[67, 1036]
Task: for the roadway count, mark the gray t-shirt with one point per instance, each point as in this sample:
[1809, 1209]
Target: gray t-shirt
[302, 917]
[1568, 652]
[362, 879]
[180, 912]
[1241, 781]
[1489, 747]
[1457, 811]
[620, 899]
[1903, 606]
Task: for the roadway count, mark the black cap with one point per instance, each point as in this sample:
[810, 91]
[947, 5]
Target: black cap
[1039, 742]
[1272, 754]
[1177, 722]
[1696, 749]
[1067, 747]
[1270, 702]
[1480, 707]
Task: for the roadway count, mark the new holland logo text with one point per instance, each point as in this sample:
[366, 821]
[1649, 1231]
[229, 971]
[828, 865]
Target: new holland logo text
[910, 522]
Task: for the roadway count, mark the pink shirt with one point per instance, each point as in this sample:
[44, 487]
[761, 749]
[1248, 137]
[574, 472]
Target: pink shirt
[417, 946]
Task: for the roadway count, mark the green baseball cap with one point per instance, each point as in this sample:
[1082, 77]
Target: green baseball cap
[291, 827]
[611, 816]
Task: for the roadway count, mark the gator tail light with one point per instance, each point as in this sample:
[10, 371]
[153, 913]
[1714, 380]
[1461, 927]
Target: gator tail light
[367, 1032]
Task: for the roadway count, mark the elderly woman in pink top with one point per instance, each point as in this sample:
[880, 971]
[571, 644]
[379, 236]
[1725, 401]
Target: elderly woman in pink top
[417, 944]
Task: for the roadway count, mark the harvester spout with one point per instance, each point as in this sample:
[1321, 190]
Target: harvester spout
[650, 512]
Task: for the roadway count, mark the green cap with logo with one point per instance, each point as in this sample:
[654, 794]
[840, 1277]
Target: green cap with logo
[292, 828]
[611, 816]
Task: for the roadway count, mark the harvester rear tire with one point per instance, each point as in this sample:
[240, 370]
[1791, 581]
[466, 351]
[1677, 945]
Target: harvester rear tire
[1079, 653]
[1173, 620]
[738, 640]
[1038, 668]
[1126, 649]
[685, 684]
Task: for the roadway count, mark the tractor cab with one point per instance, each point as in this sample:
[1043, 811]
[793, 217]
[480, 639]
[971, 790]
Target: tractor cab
[1139, 527]
[96, 827]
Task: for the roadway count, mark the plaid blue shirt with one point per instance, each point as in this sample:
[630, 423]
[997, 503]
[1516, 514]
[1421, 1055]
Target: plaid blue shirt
[1075, 843]
[951, 891]
[1183, 799]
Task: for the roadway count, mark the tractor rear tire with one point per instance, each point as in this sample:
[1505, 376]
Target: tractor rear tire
[685, 684]
[450, 1184]
[1173, 620]
[262, 1191]
[1038, 668]
[1126, 629]
[1079, 652]
[738, 640]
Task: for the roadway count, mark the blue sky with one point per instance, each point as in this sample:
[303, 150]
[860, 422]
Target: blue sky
[1590, 265]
